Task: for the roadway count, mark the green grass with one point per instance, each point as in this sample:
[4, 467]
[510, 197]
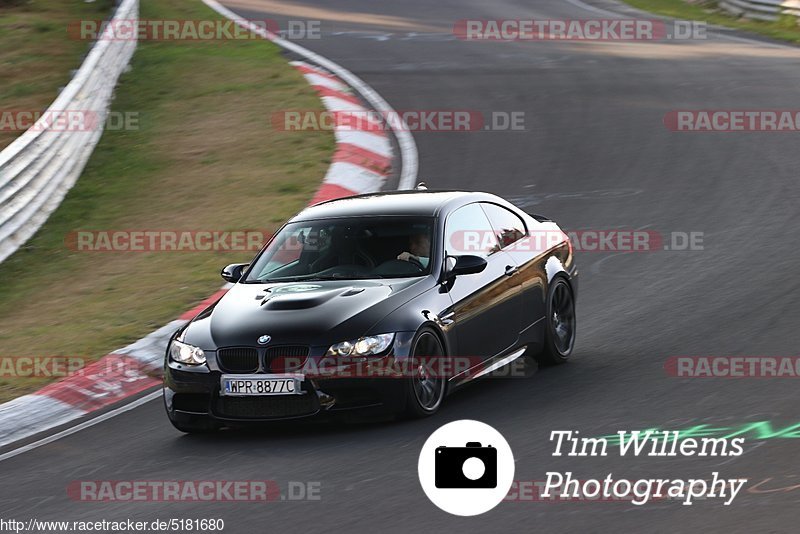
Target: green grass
[36, 54]
[205, 157]
[785, 29]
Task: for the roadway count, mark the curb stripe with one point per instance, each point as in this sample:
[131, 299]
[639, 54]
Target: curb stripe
[305, 68]
[106, 381]
[356, 155]
[339, 105]
[327, 91]
[330, 192]
[362, 159]
[317, 80]
[354, 178]
[366, 141]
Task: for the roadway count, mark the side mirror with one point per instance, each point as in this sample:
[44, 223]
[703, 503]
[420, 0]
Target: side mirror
[464, 265]
[233, 272]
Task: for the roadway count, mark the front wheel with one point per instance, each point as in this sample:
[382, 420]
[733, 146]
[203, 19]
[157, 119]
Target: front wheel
[559, 335]
[425, 393]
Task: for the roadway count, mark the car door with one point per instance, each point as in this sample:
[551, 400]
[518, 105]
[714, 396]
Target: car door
[515, 239]
[486, 306]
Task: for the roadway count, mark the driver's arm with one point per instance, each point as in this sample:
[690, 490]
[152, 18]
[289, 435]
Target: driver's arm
[407, 256]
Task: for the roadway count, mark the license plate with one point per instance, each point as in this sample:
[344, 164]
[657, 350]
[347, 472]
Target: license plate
[258, 385]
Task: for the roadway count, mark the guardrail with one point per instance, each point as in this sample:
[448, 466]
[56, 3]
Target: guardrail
[41, 165]
[769, 10]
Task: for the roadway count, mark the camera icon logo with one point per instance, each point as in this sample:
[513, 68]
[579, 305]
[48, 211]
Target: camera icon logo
[472, 466]
[466, 467]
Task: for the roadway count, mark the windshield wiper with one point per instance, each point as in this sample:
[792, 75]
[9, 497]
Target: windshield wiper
[321, 278]
[315, 278]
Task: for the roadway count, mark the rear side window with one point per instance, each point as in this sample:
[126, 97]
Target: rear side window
[468, 231]
[508, 227]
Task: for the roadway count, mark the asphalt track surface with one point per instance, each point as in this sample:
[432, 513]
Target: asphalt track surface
[594, 155]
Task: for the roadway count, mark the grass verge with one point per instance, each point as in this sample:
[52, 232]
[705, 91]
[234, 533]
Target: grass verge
[204, 157]
[785, 29]
[36, 54]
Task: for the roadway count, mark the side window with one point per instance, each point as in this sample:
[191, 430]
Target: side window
[508, 227]
[467, 231]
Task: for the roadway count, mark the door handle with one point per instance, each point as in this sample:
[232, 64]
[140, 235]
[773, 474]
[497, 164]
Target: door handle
[511, 270]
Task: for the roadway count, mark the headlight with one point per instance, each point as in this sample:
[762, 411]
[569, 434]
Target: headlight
[365, 346]
[188, 354]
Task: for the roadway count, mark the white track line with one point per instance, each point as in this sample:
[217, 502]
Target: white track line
[77, 428]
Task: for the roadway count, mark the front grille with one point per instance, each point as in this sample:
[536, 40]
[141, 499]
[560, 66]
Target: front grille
[238, 360]
[273, 406]
[285, 358]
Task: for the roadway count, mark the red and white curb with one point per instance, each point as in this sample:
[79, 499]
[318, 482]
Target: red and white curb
[361, 163]
[362, 159]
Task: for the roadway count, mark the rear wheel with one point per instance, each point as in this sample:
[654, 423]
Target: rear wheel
[560, 328]
[425, 393]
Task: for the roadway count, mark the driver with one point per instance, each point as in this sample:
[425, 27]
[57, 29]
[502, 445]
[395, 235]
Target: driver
[420, 250]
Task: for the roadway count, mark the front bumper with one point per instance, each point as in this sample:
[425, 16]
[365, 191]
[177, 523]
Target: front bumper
[195, 391]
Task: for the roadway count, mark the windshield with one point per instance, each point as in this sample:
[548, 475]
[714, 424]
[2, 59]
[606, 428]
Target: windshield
[347, 249]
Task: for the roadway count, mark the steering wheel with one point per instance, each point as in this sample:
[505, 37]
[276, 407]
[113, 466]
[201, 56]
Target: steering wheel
[344, 271]
[415, 261]
[399, 268]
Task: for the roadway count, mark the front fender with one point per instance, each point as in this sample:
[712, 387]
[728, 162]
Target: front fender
[424, 310]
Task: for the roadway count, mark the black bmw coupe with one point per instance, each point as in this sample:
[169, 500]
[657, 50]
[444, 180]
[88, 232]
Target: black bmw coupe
[379, 302]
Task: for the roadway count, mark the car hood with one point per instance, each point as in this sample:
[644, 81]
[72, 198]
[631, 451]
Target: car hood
[307, 313]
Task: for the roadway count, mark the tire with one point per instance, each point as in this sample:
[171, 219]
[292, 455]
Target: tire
[559, 337]
[425, 394]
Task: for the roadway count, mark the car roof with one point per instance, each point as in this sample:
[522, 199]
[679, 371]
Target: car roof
[420, 203]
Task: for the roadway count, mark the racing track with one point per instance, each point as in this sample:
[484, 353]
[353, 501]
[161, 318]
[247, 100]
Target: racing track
[595, 156]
